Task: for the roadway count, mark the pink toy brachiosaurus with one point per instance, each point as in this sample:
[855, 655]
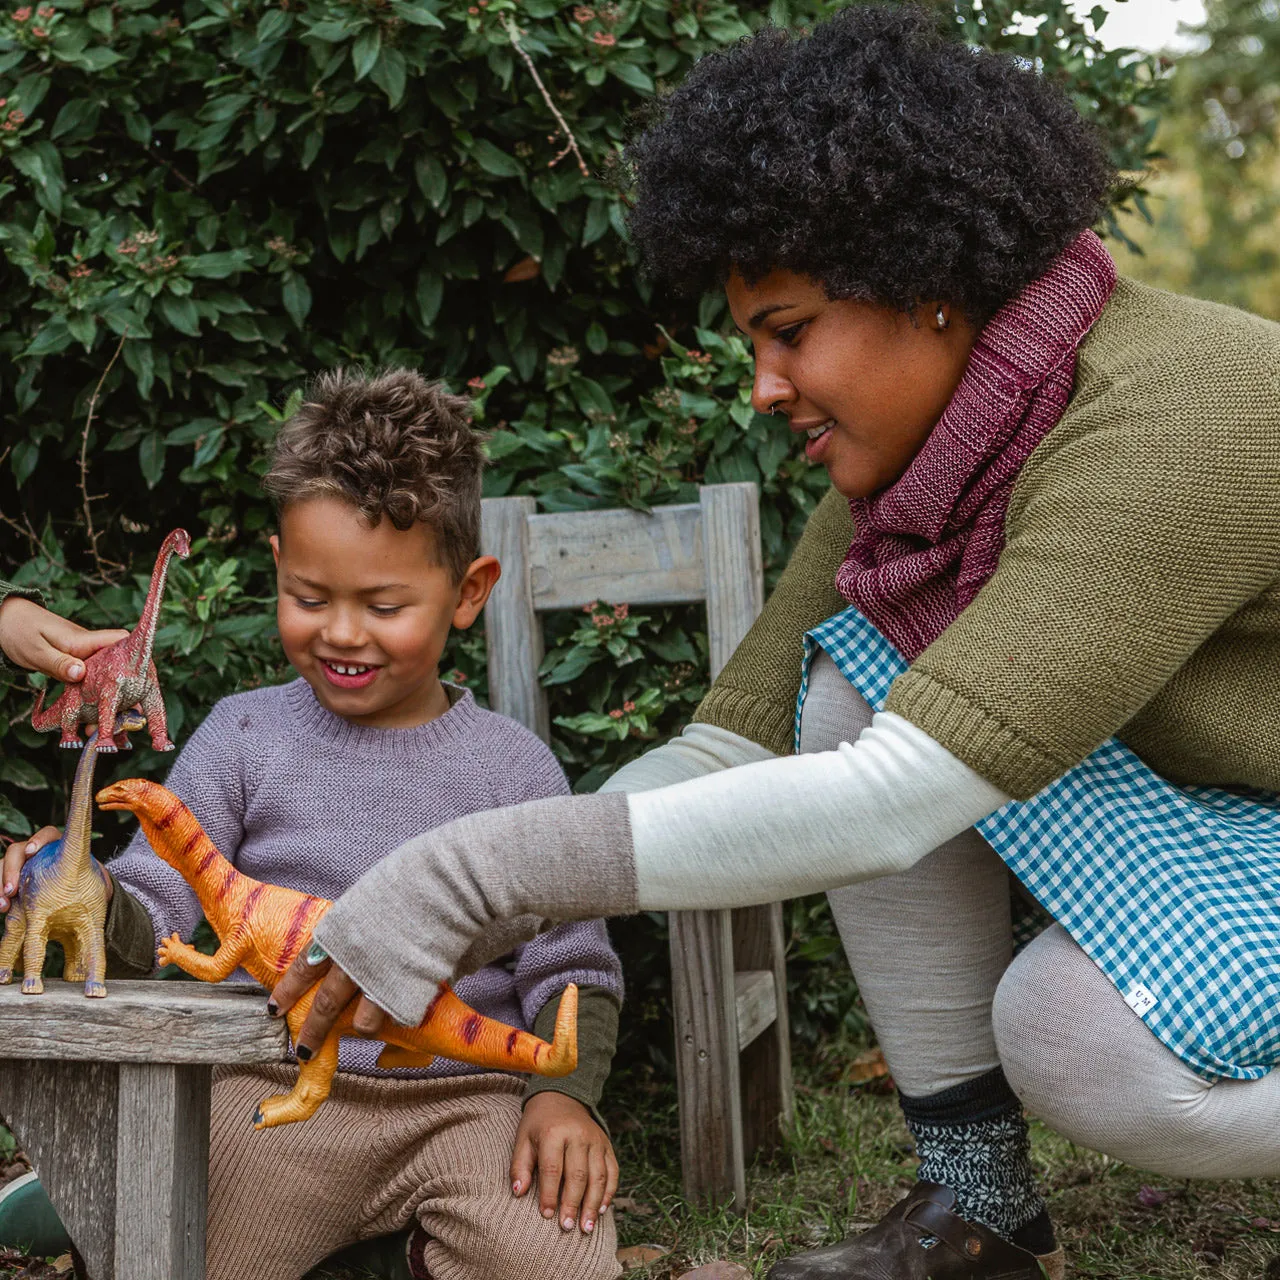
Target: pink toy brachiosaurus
[119, 677]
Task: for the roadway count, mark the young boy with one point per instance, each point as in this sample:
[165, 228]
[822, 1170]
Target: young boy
[377, 482]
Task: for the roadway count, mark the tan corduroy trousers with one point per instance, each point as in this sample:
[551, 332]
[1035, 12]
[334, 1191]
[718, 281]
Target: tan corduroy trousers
[380, 1153]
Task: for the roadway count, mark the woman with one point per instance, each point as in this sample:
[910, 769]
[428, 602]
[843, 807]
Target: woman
[1063, 567]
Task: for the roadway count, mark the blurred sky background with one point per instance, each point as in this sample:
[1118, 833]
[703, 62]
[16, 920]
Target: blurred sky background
[1146, 24]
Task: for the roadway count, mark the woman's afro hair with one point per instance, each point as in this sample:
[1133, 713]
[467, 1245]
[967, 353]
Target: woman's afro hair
[875, 155]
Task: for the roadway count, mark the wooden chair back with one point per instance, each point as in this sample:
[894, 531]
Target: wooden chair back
[728, 973]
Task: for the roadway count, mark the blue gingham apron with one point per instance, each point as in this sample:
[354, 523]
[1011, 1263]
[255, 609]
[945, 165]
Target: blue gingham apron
[1173, 892]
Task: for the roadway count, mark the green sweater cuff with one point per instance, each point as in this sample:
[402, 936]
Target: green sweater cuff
[130, 935]
[597, 1040]
[770, 723]
[1004, 758]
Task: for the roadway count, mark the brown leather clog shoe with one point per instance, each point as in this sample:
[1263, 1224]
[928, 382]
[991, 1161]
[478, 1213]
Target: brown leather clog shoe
[892, 1249]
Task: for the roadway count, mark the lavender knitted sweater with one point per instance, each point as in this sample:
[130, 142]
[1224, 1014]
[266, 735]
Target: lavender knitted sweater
[297, 796]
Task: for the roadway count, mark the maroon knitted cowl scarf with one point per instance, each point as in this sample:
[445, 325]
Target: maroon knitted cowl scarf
[923, 547]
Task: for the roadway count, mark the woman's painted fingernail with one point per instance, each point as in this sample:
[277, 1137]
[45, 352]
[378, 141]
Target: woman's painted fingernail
[75, 670]
[32, 847]
[566, 1223]
[515, 1187]
[588, 1225]
[316, 954]
[304, 1054]
[273, 1009]
[548, 1213]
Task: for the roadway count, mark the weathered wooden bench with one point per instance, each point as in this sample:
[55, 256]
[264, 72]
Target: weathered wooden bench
[110, 1099]
[729, 982]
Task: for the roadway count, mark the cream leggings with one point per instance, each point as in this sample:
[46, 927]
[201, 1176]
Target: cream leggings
[932, 955]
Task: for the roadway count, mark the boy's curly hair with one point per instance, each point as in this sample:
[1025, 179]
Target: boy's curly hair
[391, 444]
[876, 155]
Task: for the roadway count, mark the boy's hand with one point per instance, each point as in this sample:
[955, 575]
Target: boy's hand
[34, 638]
[14, 857]
[577, 1170]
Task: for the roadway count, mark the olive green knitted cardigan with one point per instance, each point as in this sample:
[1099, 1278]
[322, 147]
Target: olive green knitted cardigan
[1138, 593]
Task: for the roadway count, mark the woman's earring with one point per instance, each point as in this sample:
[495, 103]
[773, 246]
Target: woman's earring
[943, 322]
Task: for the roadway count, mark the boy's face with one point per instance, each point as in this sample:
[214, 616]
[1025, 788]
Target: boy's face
[364, 612]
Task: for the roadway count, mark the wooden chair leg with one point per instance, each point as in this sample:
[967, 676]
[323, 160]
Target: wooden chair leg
[768, 1100]
[162, 1171]
[64, 1116]
[707, 1059]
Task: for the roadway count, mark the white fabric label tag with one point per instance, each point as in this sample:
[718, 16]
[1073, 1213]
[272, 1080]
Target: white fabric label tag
[1140, 1000]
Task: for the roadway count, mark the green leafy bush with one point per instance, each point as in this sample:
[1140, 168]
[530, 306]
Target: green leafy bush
[202, 203]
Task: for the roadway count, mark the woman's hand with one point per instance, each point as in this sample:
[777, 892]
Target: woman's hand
[333, 995]
[34, 638]
[444, 902]
[14, 858]
[577, 1170]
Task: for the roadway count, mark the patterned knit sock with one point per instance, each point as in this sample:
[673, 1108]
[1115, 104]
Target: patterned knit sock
[973, 1138]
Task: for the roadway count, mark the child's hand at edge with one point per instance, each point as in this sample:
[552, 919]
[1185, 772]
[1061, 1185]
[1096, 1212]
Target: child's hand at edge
[16, 855]
[32, 637]
[573, 1156]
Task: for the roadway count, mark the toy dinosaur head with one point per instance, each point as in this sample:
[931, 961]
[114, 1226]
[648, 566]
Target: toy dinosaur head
[126, 722]
[130, 721]
[134, 794]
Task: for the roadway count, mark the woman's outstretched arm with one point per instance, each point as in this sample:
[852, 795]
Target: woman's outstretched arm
[774, 829]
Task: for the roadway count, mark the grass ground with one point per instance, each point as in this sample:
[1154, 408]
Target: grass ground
[849, 1158]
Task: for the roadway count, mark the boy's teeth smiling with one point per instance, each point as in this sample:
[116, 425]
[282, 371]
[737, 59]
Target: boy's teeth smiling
[348, 675]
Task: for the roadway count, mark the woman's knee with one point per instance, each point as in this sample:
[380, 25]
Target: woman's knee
[1048, 1017]
[1085, 1064]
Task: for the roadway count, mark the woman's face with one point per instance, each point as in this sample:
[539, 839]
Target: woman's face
[864, 383]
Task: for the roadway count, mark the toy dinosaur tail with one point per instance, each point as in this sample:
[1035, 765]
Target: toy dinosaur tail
[453, 1029]
[42, 724]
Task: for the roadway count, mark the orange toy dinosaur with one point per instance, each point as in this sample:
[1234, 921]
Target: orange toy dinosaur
[262, 927]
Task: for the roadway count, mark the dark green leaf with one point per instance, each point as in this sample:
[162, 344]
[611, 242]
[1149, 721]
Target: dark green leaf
[431, 180]
[494, 161]
[181, 313]
[296, 297]
[389, 75]
[79, 114]
[23, 774]
[430, 294]
[632, 75]
[365, 51]
[23, 459]
[216, 266]
[275, 23]
[151, 458]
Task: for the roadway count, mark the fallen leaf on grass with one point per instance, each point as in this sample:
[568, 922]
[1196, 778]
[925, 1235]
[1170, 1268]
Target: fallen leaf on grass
[867, 1066]
[62, 1265]
[718, 1271]
[1154, 1197]
[639, 1255]
[628, 1204]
